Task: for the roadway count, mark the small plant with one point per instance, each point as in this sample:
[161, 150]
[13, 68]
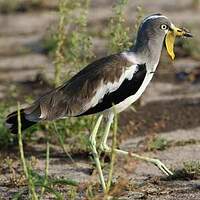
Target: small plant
[157, 143]
[75, 51]
[119, 33]
[79, 51]
[190, 171]
[61, 37]
[49, 43]
[72, 193]
[192, 167]
[46, 169]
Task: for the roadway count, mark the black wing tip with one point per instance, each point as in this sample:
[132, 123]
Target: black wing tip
[11, 122]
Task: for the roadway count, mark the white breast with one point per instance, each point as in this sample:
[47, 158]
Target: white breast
[128, 101]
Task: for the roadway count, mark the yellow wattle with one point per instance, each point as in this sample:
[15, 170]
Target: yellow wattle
[169, 41]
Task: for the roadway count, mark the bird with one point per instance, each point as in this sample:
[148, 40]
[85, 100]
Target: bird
[108, 85]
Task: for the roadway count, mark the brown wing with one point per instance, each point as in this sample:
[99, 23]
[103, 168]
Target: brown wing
[71, 98]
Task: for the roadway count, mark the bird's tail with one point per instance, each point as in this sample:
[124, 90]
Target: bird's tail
[12, 122]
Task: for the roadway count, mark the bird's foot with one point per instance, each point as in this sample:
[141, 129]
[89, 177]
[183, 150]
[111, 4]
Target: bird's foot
[161, 166]
[104, 147]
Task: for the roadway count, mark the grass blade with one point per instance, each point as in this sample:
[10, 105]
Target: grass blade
[25, 169]
[46, 169]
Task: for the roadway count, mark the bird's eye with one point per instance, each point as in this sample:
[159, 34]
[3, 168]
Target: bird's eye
[164, 27]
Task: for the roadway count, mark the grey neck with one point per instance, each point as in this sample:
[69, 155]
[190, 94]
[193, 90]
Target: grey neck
[148, 51]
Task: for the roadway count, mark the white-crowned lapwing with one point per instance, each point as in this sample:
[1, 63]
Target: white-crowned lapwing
[117, 80]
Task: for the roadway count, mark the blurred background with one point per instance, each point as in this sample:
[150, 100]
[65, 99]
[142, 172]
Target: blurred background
[44, 42]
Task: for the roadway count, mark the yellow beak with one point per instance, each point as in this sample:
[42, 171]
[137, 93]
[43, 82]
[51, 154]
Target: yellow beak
[171, 36]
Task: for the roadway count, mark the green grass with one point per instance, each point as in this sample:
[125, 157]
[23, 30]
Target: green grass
[49, 43]
[60, 46]
[72, 193]
[120, 36]
[118, 33]
[157, 143]
[189, 171]
[72, 134]
[192, 167]
[46, 169]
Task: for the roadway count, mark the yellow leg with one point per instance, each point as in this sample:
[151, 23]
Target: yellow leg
[154, 161]
[92, 140]
[105, 148]
[103, 145]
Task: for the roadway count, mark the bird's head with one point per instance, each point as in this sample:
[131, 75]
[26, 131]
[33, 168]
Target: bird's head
[157, 28]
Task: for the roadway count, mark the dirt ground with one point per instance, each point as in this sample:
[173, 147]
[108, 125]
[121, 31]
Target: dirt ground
[169, 108]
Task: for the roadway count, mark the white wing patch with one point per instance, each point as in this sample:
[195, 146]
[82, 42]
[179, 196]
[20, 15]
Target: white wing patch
[104, 89]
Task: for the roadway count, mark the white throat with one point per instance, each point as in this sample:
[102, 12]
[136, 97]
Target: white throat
[135, 59]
